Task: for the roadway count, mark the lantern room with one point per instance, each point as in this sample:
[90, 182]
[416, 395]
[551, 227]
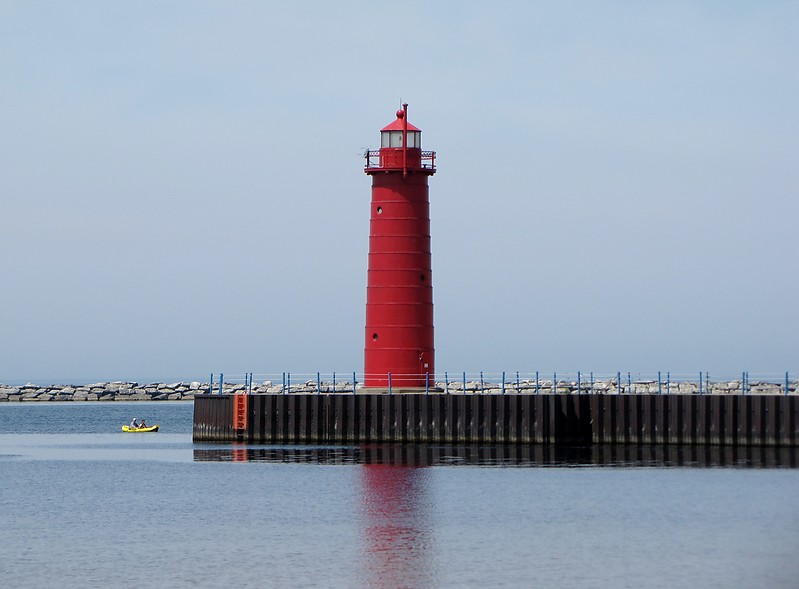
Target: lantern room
[400, 148]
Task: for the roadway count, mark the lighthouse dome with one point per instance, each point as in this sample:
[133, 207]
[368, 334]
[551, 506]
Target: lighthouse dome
[391, 134]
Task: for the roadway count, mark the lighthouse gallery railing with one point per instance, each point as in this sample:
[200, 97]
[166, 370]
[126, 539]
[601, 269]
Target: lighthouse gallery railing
[372, 157]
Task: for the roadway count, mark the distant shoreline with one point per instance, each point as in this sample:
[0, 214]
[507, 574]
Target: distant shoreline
[186, 391]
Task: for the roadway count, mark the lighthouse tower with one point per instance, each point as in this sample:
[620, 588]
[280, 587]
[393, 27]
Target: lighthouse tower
[399, 348]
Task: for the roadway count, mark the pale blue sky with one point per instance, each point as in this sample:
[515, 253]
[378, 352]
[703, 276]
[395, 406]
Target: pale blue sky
[182, 187]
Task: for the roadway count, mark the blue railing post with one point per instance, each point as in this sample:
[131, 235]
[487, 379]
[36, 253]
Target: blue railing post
[446, 380]
[389, 384]
[318, 384]
[211, 385]
[554, 383]
[482, 386]
[786, 382]
[283, 387]
[354, 383]
[536, 382]
[629, 384]
[743, 383]
[334, 382]
[700, 382]
[618, 382]
[221, 377]
[592, 382]
[464, 383]
[503, 382]
[668, 382]
[578, 383]
[288, 382]
[659, 386]
[518, 386]
[426, 383]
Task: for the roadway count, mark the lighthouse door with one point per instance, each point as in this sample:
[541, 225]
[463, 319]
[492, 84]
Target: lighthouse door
[424, 365]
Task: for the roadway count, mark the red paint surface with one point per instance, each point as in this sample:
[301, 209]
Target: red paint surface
[399, 295]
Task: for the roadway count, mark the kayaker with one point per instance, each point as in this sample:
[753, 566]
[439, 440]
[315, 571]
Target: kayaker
[134, 424]
[142, 425]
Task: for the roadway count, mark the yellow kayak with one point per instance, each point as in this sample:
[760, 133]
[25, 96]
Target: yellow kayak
[140, 430]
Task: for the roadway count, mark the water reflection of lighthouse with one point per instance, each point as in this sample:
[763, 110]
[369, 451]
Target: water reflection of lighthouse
[397, 532]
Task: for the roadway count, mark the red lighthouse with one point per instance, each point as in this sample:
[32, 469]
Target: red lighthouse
[399, 348]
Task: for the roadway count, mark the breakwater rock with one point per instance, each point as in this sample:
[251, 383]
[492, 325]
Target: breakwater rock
[103, 391]
[612, 386]
[186, 391]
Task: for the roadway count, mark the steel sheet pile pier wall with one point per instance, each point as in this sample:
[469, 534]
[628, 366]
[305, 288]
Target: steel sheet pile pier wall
[213, 419]
[735, 420]
[740, 420]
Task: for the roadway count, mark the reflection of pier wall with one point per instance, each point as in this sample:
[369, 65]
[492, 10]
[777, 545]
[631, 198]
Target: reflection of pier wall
[420, 455]
[729, 420]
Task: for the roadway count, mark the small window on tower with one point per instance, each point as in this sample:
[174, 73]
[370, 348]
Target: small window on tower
[414, 139]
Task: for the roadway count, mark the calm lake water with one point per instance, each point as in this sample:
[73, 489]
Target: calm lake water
[84, 505]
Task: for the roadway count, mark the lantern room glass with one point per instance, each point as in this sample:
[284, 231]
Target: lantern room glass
[394, 139]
